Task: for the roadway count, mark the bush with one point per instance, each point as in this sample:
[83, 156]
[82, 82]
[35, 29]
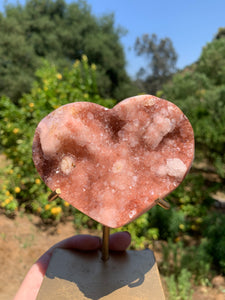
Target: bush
[22, 186]
[180, 261]
[180, 288]
[214, 232]
[142, 234]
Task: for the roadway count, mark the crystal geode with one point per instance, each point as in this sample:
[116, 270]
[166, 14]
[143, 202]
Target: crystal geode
[112, 164]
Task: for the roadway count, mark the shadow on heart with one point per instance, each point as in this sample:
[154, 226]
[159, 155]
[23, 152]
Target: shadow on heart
[95, 278]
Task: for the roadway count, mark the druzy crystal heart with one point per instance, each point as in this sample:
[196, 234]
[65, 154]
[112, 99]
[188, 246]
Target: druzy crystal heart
[112, 164]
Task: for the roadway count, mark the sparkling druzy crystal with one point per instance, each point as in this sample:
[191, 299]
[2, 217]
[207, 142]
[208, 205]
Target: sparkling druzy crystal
[112, 164]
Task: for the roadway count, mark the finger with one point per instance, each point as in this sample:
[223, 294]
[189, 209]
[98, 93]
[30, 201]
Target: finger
[82, 242]
[119, 241]
[78, 242]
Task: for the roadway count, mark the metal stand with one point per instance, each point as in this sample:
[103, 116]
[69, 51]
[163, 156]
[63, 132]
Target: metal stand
[105, 243]
[80, 275]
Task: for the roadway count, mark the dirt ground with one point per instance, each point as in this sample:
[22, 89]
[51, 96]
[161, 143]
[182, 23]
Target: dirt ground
[25, 238]
[22, 241]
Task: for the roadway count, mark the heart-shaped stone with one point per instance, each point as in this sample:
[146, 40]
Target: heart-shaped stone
[113, 164]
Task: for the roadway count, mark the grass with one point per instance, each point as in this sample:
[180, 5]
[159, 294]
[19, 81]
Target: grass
[26, 242]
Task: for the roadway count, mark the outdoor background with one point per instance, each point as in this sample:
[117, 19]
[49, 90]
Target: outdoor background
[56, 52]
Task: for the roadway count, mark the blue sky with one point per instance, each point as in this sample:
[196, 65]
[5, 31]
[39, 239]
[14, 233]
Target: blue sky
[189, 24]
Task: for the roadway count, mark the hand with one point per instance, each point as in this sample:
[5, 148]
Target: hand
[32, 282]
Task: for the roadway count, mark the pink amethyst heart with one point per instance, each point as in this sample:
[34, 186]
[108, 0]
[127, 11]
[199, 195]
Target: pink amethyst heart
[113, 164]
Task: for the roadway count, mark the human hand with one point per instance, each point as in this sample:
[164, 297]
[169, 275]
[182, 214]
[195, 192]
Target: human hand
[32, 282]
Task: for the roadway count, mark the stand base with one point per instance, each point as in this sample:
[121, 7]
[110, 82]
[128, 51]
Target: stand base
[129, 275]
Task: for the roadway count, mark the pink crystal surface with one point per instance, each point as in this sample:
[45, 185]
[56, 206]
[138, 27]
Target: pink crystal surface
[112, 164]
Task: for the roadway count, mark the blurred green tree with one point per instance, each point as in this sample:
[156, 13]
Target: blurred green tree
[220, 34]
[211, 61]
[199, 91]
[161, 61]
[17, 59]
[61, 33]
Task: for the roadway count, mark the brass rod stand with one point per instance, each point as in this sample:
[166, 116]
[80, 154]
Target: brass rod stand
[105, 243]
[161, 202]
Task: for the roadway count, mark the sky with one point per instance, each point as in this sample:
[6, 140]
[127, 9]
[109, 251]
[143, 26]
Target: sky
[189, 24]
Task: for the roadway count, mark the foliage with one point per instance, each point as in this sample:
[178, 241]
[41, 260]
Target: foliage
[181, 288]
[61, 33]
[211, 61]
[190, 204]
[161, 60]
[22, 186]
[192, 240]
[142, 234]
[195, 259]
[220, 34]
[17, 59]
[200, 92]
[214, 232]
